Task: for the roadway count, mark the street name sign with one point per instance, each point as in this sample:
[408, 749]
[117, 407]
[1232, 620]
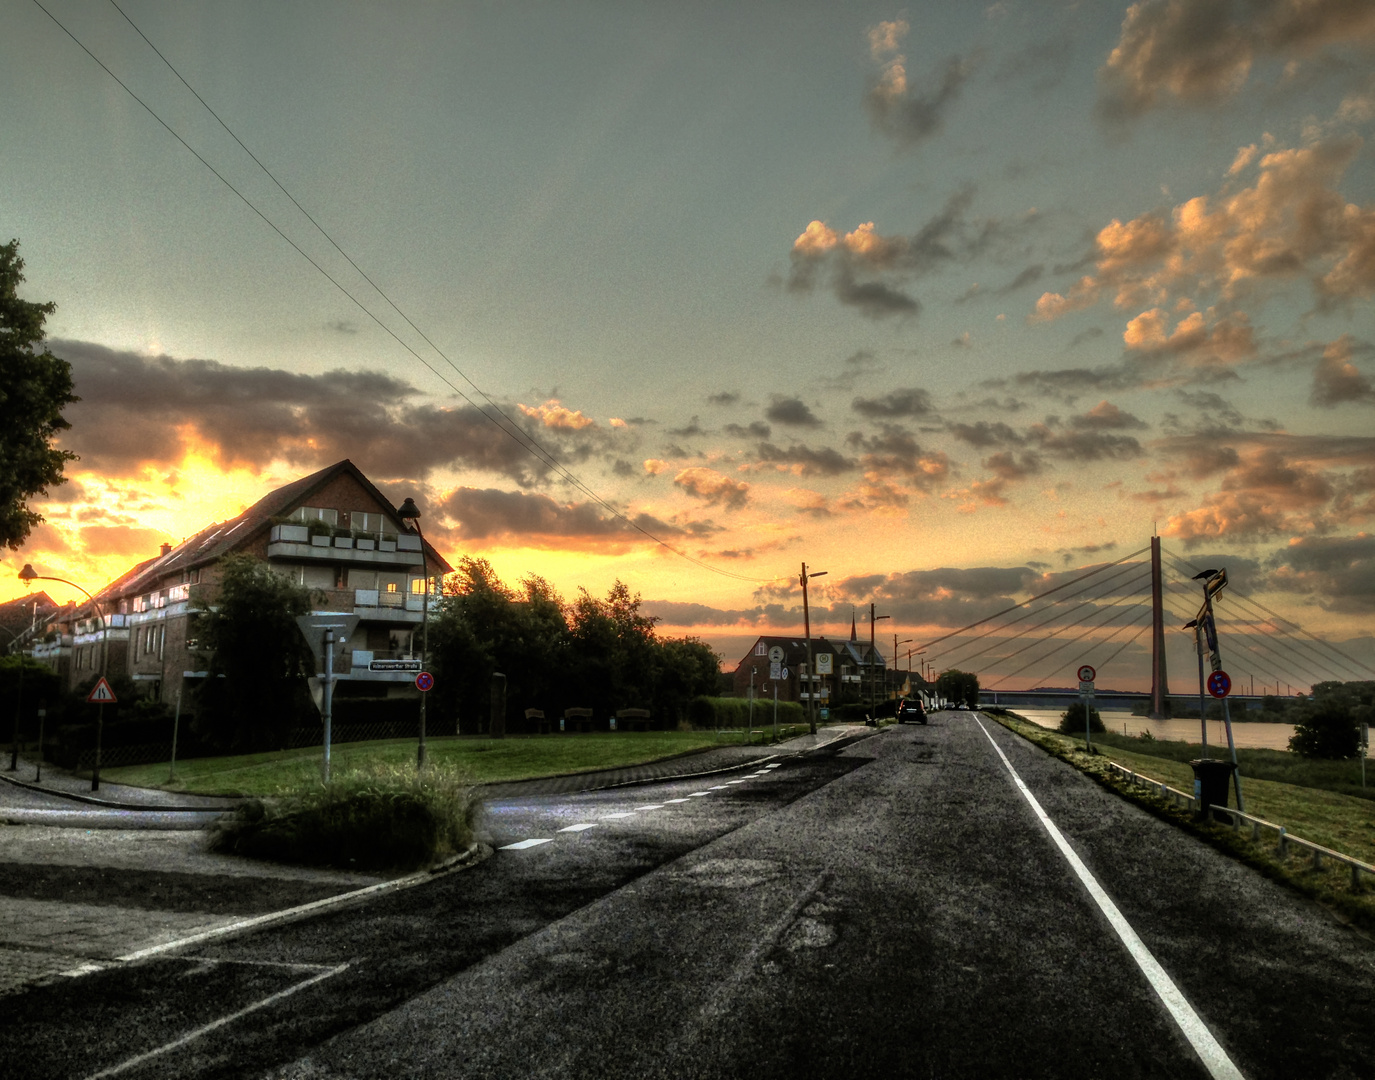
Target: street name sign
[394, 665]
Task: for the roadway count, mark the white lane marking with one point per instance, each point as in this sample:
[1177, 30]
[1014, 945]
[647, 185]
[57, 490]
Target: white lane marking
[735, 781]
[1215, 1059]
[580, 828]
[628, 813]
[718, 787]
[85, 969]
[699, 794]
[656, 806]
[677, 800]
[524, 844]
[191, 1036]
[773, 766]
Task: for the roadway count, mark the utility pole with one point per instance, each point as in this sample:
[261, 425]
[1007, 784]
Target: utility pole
[873, 656]
[807, 630]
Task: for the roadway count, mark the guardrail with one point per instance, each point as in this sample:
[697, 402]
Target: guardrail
[1285, 837]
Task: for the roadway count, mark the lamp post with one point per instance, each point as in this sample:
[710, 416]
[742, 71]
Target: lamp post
[807, 630]
[750, 726]
[410, 514]
[896, 643]
[873, 654]
[28, 576]
[18, 702]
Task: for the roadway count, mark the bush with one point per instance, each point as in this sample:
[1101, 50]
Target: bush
[376, 817]
[1329, 731]
[1072, 720]
[709, 712]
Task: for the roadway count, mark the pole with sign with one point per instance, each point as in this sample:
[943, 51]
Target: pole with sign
[1087, 674]
[100, 695]
[319, 629]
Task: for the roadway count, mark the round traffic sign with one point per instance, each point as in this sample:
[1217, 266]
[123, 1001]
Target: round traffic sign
[1219, 684]
[1087, 673]
[776, 654]
[424, 681]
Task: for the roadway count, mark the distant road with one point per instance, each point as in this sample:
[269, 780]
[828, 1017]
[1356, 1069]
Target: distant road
[894, 908]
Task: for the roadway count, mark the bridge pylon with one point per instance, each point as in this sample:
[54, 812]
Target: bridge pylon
[1160, 689]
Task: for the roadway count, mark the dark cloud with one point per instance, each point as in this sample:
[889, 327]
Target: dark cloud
[1042, 63]
[137, 411]
[1337, 381]
[726, 397]
[874, 298]
[906, 401]
[944, 597]
[791, 412]
[1339, 571]
[894, 451]
[1029, 276]
[692, 428]
[984, 433]
[1090, 334]
[1084, 445]
[805, 460]
[757, 430]
[910, 115]
[1105, 416]
[342, 326]
[487, 514]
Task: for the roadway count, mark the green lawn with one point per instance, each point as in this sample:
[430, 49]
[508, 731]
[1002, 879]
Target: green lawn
[484, 760]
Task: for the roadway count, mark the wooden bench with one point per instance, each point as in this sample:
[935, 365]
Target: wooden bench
[632, 719]
[577, 719]
[534, 718]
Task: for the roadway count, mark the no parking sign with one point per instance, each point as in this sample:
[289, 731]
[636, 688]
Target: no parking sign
[424, 681]
[1219, 684]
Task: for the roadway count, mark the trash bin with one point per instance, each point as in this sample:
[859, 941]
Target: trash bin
[1212, 777]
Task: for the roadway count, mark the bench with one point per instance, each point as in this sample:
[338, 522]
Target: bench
[632, 719]
[577, 719]
[535, 721]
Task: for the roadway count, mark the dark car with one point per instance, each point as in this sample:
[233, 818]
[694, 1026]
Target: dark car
[910, 711]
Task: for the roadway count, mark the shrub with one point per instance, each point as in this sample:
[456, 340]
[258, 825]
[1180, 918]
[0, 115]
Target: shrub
[1329, 731]
[375, 817]
[1072, 720]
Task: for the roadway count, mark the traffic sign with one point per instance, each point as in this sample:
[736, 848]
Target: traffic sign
[424, 681]
[775, 670]
[1087, 673]
[776, 654]
[101, 694]
[1219, 684]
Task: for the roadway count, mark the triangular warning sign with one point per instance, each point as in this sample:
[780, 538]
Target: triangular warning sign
[101, 694]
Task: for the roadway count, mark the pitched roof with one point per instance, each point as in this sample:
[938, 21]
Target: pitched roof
[220, 539]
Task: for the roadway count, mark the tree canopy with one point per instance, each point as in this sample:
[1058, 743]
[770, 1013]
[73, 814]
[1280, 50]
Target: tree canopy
[34, 388]
[959, 687]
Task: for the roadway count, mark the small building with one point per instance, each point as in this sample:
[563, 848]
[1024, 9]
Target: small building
[331, 531]
[848, 671]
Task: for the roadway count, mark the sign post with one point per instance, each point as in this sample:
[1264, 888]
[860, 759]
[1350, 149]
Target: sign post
[1087, 674]
[319, 629]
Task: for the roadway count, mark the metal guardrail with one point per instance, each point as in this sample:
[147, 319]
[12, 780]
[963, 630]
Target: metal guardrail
[1285, 837]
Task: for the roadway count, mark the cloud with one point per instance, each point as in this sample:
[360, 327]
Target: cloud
[533, 520]
[1107, 416]
[726, 397]
[139, 411]
[712, 487]
[756, 430]
[805, 461]
[553, 414]
[895, 452]
[985, 433]
[1338, 570]
[693, 427]
[1337, 381]
[895, 107]
[791, 412]
[905, 401]
[1201, 51]
[942, 597]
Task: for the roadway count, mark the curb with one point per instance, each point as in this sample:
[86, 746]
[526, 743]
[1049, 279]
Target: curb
[106, 804]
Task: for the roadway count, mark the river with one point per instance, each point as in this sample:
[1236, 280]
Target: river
[1249, 735]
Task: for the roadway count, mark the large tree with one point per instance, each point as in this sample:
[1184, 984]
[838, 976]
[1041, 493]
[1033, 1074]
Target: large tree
[34, 388]
[258, 658]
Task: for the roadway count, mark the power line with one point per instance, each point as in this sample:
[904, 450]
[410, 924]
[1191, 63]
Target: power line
[522, 438]
[1059, 648]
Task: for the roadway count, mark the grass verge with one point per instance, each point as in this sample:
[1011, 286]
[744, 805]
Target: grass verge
[369, 817]
[483, 761]
[1337, 821]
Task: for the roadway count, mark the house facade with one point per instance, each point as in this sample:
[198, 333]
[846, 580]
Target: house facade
[844, 672]
[331, 531]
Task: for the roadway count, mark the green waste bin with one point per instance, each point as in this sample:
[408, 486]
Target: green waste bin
[1212, 777]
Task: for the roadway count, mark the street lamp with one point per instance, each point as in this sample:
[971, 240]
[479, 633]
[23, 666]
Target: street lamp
[896, 643]
[28, 576]
[410, 514]
[807, 629]
[873, 652]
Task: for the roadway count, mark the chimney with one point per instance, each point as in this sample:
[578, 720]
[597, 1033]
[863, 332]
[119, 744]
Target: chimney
[166, 549]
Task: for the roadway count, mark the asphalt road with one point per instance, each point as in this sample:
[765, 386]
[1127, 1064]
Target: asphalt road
[894, 907]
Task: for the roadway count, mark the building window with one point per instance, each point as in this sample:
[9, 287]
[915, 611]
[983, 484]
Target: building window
[761, 649]
[307, 514]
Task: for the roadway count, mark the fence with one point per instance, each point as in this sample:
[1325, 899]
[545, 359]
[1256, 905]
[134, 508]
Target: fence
[1284, 836]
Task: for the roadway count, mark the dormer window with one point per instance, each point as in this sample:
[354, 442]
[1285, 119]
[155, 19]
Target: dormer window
[761, 649]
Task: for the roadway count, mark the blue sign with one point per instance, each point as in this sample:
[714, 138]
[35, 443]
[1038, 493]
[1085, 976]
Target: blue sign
[1219, 684]
[424, 681]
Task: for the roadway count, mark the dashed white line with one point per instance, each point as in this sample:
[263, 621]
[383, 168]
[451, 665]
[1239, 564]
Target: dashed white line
[656, 806]
[523, 844]
[677, 800]
[699, 794]
[580, 828]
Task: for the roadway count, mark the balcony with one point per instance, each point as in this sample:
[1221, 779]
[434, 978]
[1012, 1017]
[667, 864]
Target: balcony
[296, 542]
[373, 605]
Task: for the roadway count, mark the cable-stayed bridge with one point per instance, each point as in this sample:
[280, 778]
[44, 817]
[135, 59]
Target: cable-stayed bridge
[1128, 617]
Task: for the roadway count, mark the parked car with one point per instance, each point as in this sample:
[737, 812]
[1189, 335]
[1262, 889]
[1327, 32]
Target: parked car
[910, 711]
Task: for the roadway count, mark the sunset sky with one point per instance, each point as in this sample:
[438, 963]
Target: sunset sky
[949, 301]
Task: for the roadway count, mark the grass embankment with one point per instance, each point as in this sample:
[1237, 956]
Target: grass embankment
[483, 761]
[373, 817]
[1335, 820]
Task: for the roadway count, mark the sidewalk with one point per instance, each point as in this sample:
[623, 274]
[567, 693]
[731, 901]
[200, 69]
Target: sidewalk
[61, 783]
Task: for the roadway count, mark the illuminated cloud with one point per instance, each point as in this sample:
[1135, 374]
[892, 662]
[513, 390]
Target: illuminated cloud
[654, 466]
[1198, 51]
[896, 108]
[1107, 416]
[712, 487]
[1338, 570]
[1337, 381]
[553, 414]
[894, 452]
[486, 515]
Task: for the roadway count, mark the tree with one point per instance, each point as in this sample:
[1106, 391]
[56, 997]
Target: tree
[253, 641]
[34, 388]
[959, 687]
[1072, 720]
[1330, 729]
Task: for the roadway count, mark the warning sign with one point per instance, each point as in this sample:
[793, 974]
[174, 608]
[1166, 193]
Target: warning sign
[101, 694]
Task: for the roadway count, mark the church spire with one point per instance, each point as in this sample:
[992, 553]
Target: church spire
[853, 635]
